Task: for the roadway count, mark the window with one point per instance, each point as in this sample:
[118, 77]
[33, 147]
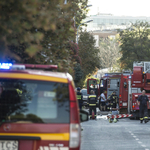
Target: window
[34, 101]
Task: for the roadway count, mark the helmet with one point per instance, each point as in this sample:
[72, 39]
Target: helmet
[78, 89]
[115, 120]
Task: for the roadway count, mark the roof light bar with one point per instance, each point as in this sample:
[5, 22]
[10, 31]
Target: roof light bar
[11, 66]
[5, 65]
[34, 66]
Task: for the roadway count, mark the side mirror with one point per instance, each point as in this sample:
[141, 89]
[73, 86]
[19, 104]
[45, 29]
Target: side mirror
[84, 116]
[125, 85]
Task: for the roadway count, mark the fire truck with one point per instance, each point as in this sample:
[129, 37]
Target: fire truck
[127, 85]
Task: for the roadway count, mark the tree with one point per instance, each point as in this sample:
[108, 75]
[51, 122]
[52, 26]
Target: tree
[135, 44]
[39, 31]
[109, 53]
[88, 53]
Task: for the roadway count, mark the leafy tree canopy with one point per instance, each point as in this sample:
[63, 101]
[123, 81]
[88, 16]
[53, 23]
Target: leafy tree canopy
[39, 31]
[109, 53]
[88, 54]
[135, 44]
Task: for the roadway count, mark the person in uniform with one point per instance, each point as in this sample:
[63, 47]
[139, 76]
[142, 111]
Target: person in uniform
[113, 100]
[143, 99]
[92, 102]
[80, 98]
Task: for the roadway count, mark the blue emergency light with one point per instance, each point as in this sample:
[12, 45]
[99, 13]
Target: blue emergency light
[5, 65]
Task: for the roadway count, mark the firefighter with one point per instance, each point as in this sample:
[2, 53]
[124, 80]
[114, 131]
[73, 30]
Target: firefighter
[80, 98]
[92, 102]
[113, 106]
[143, 99]
[113, 100]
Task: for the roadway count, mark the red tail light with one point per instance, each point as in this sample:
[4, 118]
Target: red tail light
[119, 96]
[75, 132]
[74, 110]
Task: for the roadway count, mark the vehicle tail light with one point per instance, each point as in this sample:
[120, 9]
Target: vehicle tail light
[75, 131]
[133, 105]
[74, 136]
[119, 96]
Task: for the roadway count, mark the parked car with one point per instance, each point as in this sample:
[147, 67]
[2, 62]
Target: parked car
[85, 96]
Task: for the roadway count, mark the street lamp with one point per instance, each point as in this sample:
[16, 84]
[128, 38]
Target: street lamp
[65, 2]
[87, 6]
[80, 25]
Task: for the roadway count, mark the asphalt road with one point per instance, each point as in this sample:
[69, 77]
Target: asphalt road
[124, 135]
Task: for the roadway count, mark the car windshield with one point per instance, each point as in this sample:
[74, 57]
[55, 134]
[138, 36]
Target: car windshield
[34, 101]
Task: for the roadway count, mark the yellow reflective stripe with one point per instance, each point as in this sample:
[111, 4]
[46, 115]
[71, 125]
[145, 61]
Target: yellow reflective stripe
[141, 118]
[145, 117]
[19, 91]
[43, 136]
[92, 96]
[32, 77]
[92, 104]
[78, 96]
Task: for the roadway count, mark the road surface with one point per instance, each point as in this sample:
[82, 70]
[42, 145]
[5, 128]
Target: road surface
[124, 135]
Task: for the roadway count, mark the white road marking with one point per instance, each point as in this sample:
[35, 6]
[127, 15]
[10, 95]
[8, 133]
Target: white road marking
[134, 136]
[143, 145]
[139, 142]
[146, 149]
[137, 139]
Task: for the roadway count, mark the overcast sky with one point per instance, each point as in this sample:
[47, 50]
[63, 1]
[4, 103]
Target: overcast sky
[120, 7]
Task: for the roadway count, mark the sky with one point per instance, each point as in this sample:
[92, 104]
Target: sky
[120, 7]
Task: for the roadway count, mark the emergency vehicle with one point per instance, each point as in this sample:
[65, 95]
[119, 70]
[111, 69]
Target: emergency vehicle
[128, 87]
[38, 109]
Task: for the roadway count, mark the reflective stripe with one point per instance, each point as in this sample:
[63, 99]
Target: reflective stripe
[92, 96]
[145, 117]
[92, 104]
[33, 77]
[78, 96]
[43, 136]
[141, 118]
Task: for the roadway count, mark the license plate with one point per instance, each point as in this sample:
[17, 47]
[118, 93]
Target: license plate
[124, 104]
[8, 145]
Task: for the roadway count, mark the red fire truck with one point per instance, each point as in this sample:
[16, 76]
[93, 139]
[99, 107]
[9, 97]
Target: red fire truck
[127, 86]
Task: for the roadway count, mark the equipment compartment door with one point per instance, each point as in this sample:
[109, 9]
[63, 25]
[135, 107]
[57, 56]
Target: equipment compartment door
[113, 85]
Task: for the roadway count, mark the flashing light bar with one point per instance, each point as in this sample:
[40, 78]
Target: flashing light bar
[26, 66]
[5, 65]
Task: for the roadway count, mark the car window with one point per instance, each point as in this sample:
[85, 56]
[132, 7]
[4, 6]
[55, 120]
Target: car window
[35, 101]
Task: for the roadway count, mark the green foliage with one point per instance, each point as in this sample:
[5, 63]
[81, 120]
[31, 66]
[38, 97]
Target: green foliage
[78, 74]
[135, 44]
[88, 53]
[39, 31]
